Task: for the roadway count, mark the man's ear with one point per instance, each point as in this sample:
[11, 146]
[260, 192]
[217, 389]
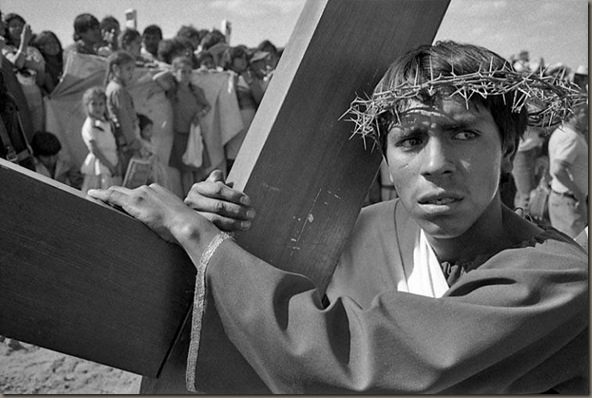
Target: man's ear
[508, 155]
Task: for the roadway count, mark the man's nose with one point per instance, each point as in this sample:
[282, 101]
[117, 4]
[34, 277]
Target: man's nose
[437, 158]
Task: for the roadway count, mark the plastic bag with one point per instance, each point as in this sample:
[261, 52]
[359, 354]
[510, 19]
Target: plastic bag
[193, 155]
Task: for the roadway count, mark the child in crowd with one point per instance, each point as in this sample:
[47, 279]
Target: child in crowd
[87, 34]
[205, 61]
[148, 151]
[189, 106]
[50, 162]
[101, 168]
[110, 30]
[120, 105]
[50, 47]
[130, 40]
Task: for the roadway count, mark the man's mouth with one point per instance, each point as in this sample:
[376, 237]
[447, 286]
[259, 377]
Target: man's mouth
[439, 199]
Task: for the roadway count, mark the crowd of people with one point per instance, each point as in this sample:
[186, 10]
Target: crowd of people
[112, 132]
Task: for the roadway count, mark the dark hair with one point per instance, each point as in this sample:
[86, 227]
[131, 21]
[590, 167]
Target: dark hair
[171, 48]
[127, 36]
[231, 54]
[45, 143]
[448, 57]
[143, 121]
[152, 30]
[83, 23]
[7, 18]
[107, 21]
[190, 33]
[212, 38]
[10, 16]
[267, 46]
[202, 56]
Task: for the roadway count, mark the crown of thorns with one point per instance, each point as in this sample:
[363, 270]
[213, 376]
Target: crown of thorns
[549, 99]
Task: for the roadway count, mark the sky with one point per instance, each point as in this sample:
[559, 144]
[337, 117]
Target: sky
[556, 30]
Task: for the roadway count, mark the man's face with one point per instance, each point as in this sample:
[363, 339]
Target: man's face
[151, 42]
[445, 162]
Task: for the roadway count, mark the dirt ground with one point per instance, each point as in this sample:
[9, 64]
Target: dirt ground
[34, 370]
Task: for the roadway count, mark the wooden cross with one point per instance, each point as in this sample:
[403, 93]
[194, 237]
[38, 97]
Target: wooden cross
[81, 278]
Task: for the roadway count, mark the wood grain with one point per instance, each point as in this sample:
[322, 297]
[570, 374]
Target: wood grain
[84, 279]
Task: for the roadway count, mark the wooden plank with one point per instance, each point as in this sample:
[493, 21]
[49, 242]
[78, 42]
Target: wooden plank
[81, 278]
[305, 176]
[298, 164]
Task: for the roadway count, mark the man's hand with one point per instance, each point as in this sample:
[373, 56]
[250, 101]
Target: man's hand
[227, 208]
[158, 208]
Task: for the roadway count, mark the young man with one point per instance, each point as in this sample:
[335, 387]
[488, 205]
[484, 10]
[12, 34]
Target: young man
[443, 290]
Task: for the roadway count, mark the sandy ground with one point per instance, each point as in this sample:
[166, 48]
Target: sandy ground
[34, 370]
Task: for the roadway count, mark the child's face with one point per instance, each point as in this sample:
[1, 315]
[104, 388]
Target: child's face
[135, 47]
[183, 74]
[110, 33]
[96, 107]
[239, 64]
[15, 28]
[92, 35]
[124, 72]
[50, 45]
[146, 132]
[208, 63]
[445, 162]
[48, 161]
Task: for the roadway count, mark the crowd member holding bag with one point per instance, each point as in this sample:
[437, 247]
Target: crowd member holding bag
[444, 290]
[189, 105]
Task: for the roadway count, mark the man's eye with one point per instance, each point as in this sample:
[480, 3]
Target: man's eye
[465, 135]
[409, 143]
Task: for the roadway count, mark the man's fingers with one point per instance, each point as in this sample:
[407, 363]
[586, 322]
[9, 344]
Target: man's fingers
[216, 176]
[217, 190]
[221, 208]
[118, 196]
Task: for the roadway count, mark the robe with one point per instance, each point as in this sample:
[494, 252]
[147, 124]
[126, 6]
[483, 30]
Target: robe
[515, 324]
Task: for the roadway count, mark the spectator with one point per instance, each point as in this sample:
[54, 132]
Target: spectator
[87, 35]
[249, 92]
[120, 105]
[205, 61]
[568, 165]
[215, 43]
[191, 34]
[101, 168]
[130, 40]
[110, 31]
[51, 48]
[148, 151]
[29, 65]
[50, 161]
[151, 37]
[168, 49]
[189, 106]
[268, 47]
